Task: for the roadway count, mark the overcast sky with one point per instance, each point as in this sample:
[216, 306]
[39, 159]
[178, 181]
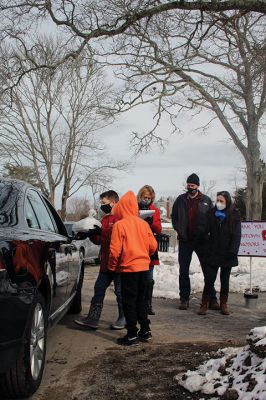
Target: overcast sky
[212, 156]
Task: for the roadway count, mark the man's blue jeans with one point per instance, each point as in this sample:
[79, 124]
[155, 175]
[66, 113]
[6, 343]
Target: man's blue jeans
[185, 251]
[103, 281]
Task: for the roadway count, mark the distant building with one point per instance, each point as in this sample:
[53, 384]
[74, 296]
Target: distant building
[165, 205]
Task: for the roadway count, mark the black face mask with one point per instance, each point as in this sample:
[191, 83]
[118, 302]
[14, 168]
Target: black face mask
[192, 191]
[106, 208]
[144, 204]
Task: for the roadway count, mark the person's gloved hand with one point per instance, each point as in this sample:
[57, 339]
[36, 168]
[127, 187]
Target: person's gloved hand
[95, 231]
[149, 220]
[91, 232]
[80, 235]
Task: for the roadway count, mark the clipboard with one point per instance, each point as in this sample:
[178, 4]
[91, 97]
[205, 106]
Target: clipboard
[146, 213]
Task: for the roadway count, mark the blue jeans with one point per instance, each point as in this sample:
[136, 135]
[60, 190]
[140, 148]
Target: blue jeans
[185, 251]
[103, 281]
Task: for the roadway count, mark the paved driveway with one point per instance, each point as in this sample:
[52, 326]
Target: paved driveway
[81, 359]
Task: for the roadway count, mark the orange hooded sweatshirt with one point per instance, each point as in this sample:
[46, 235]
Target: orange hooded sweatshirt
[132, 241]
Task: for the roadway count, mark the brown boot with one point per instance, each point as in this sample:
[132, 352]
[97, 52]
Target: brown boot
[223, 304]
[204, 305]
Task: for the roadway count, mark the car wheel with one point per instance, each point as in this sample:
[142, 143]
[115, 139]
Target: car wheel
[97, 261]
[25, 377]
[76, 305]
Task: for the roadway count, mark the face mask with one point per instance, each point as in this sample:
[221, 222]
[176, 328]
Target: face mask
[106, 208]
[220, 206]
[144, 204]
[192, 191]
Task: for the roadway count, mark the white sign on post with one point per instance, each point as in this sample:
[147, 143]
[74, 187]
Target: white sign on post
[253, 239]
[253, 244]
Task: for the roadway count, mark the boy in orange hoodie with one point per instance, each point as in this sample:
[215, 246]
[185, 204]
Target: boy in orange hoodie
[132, 244]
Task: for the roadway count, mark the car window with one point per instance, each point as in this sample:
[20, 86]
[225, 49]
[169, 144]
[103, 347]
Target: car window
[30, 216]
[41, 212]
[68, 226]
[9, 198]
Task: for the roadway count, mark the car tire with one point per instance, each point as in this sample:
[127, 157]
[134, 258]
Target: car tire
[76, 305]
[97, 261]
[24, 378]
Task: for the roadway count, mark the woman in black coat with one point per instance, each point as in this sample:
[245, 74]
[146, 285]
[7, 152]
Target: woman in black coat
[224, 235]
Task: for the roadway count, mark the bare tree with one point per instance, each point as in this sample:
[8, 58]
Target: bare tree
[225, 74]
[207, 187]
[22, 172]
[52, 122]
[93, 20]
[173, 37]
[77, 208]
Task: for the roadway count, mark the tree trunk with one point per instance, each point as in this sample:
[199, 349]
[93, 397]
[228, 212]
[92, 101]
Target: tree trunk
[255, 178]
[51, 197]
[63, 206]
[65, 196]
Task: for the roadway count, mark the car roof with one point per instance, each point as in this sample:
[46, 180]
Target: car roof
[17, 182]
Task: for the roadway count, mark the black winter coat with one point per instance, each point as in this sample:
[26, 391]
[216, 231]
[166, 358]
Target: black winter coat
[223, 239]
[180, 216]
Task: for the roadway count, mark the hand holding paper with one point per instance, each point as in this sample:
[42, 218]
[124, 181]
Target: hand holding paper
[146, 213]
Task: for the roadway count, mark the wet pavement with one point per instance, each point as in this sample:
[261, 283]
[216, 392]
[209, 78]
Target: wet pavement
[72, 349]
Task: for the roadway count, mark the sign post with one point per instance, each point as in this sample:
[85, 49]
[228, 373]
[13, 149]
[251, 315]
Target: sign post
[253, 244]
[250, 274]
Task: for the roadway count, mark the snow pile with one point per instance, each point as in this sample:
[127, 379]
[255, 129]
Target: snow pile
[166, 276]
[240, 374]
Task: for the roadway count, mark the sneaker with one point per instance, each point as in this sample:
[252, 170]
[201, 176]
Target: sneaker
[183, 305]
[86, 323]
[127, 340]
[120, 323]
[144, 336]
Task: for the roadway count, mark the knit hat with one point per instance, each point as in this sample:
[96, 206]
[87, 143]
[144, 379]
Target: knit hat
[227, 197]
[193, 178]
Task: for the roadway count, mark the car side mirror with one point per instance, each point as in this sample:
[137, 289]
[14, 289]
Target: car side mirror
[69, 239]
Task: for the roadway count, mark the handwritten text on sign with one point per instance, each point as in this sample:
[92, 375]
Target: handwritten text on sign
[253, 239]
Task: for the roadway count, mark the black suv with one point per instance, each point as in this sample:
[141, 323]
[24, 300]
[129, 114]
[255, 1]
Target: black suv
[41, 278]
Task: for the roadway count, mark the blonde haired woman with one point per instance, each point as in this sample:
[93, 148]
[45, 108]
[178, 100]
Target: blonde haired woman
[146, 197]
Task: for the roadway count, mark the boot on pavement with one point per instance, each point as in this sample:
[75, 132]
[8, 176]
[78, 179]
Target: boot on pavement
[120, 323]
[183, 305]
[204, 305]
[92, 319]
[223, 304]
